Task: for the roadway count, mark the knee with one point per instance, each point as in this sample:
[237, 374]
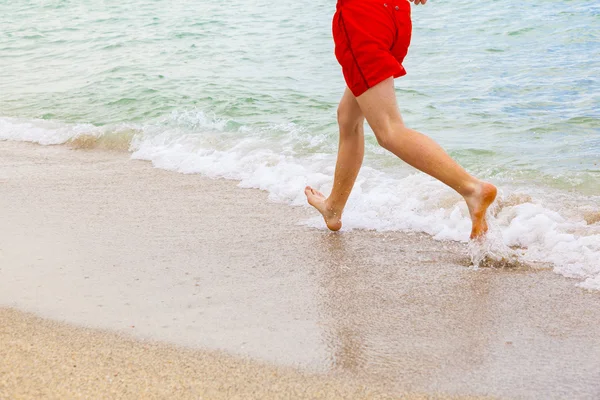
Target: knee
[348, 121]
[390, 134]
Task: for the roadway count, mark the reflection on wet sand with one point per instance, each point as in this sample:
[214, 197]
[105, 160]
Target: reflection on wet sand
[394, 319]
[391, 314]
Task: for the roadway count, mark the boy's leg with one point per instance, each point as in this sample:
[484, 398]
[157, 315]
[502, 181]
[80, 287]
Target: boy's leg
[350, 155]
[380, 108]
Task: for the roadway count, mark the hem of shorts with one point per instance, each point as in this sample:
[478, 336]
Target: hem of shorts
[362, 89]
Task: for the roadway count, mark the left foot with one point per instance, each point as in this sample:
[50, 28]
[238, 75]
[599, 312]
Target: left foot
[478, 202]
[319, 201]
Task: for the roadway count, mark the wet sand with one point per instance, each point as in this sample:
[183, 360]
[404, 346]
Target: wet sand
[95, 239]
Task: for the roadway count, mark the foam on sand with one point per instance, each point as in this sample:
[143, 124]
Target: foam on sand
[539, 226]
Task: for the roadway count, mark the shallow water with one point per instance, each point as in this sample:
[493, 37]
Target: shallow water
[248, 91]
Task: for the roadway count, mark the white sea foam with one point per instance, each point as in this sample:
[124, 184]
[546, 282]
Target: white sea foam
[42, 131]
[538, 227]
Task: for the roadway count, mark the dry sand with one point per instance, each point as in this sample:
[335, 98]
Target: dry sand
[95, 239]
[44, 359]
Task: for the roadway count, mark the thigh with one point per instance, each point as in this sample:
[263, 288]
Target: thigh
[379, 106]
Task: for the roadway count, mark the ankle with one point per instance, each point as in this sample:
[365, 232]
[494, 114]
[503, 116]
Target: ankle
[470, 189]
[333, 208]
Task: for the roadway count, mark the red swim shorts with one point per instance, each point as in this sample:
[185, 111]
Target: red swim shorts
[371, 40]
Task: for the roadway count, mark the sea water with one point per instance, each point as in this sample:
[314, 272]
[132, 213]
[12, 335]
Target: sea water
[247, 90]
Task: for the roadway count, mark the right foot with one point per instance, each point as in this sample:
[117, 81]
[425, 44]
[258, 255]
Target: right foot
[319, 201]
[478, 203]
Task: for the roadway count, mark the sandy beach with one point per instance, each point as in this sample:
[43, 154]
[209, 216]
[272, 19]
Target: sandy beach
[246, 302]
[44, 359]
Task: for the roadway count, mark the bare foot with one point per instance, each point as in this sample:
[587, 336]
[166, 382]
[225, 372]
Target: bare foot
[319, 201]
[478, 204]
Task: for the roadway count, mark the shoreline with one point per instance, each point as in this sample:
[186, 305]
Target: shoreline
[95, 239]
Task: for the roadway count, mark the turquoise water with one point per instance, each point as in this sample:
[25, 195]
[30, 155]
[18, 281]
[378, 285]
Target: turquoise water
[511, 89]
[248, 90]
